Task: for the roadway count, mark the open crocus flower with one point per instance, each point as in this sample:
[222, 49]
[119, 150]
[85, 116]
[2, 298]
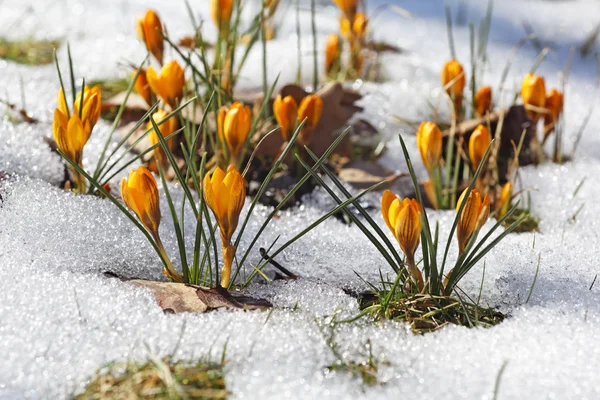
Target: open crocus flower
[70, 134]
[533, 92]
[220, 11]
[169, 84]
[225, 194]
[474, 214]
[332, 53]
[453, 79]
[478, 143]
[142, 87]
[429, 143]
[310, 109]
[286, 114]
[403, 218]
[92, 105]
[149, 30]
[140, 194]
[234, 125]
[483, 100]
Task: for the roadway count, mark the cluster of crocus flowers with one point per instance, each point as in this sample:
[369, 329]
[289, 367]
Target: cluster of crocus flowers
[474, 214]
[150, 31]
[533, 92]
[169, 84]
[403, 218]
[73, 129]
[233, 125]
[165, 128]
[309, 111]
[353, 27]
[140, 194]
[220, 11]
[225, 194]
[453, 79]
[483, 100]
[285, 110]
[429, 143]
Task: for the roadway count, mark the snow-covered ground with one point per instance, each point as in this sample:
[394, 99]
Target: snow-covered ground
[61, 319]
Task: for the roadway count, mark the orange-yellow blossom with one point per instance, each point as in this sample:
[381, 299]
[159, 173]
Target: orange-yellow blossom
[474, 214]
[483, 100]
[505, 198]
[70, 134]
[332, 52]
[348, 7]
[141, 86]
[429, 143]
[533, 92]
[286, 114]
[359, 27]
[92, 105]
[310, 109]
[234, 125]
[453, 72]
[150, 31]
[169, 84]
[220, 10]
[554, 105]
[478, 143]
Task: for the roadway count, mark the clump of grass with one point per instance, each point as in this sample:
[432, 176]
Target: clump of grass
[28, 51]
[530, 223]
[157, 379]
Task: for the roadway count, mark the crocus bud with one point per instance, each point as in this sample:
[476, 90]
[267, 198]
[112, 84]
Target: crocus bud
[505, 198]
[360, 25]
[554, 105]
[310, 109]
[166, 129]
[225, 194]
[140, 193]
[92, 105]
[150, 31]
[483, 100]
[169, 84]
[478, 143]
[429, 143]
[430, 193]
[533, 92]
[142, 87]
[286, 114]
[234, 125]
[332, 53]
[453, 72]
[70, 134]
[474, 214]
[403, 218]
[220, 10]
[348, 7]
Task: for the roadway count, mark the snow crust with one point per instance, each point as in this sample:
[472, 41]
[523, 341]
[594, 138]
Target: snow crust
[61, 319]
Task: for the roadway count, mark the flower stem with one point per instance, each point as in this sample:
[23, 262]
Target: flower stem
[228, 253]
[169, 270]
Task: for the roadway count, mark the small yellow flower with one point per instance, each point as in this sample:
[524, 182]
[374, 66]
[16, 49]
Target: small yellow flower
[474, 215]
[554, 105]
[166, 129]
[403, 218]
[429, 143]
[359, 27]
[140, 193]
[478, 143]
[225, 194]
[483, 100]
[505, 198]
[220, 10]
[141, 86]
[92, 105]
[332, 52]
[453, 72]
[150, 31]
[348, 7]
[286, 114]
[70, 134]
[310, 109]
[234, 125]
[533, 92]
[169, 84]
[430, 193]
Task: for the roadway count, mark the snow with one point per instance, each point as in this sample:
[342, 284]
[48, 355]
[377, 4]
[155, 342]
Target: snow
[61, 318]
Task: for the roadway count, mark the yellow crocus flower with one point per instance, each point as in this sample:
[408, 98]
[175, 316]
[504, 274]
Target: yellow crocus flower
[286, 113]
[478, 143]
[220, 10]
[554, 105]
[142, 87]
[505, 198]
[474, 215]
[169, 84]
[225, 194]
[533, 92]
[310, 109]
[70, 134]
[429, 143]
[348, 7]
[92, 105]
[150, 30]
[453, 72]
[483, 100]
[332, 52]
[234, 125]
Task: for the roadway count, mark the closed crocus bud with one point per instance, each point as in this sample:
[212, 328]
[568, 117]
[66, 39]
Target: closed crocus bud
[234, 125]
[474, 214]
[142, 87]
[310, 109]
[483, 100]
[150, 30]
[169, 84]
[166, 129]
[286, 114]
[220, 10]
[140, 193]
[348, 7]
[225, 194]
[430, 193]
[453, 72]
[403, 218]
[70, 134]
[429, 143]
[505, 198]
[533, 92]
[360, 25]
[92, 105]
[332, 53]
[554, 105]
[478, 143]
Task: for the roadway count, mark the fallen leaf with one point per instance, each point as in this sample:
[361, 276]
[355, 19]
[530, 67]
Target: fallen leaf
[363, 174]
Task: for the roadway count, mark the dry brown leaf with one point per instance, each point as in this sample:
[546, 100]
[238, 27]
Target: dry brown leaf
[363, 174]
